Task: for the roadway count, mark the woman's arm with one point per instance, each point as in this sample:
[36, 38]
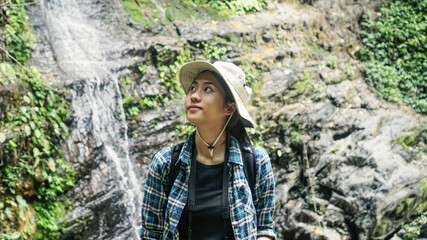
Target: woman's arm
[264, 190]
[154, 199]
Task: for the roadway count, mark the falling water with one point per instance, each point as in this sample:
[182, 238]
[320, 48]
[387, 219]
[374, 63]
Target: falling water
[86, 44]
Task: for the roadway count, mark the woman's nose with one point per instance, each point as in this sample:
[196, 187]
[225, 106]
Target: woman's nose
[195, 96]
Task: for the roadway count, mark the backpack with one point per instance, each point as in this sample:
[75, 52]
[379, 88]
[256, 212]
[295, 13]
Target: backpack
[248, 157]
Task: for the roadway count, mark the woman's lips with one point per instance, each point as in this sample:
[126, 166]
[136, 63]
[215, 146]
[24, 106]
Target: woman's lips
[194, 108]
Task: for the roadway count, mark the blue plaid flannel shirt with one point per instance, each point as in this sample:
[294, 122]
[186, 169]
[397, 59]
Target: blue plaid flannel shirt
[250, 217]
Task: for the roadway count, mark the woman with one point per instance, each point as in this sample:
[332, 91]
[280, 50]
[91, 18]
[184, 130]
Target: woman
[210, 197]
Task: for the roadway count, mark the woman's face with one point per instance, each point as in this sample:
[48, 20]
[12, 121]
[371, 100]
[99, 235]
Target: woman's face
[205, 101]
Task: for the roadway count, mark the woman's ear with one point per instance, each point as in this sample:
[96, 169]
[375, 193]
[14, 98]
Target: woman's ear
[231, 107]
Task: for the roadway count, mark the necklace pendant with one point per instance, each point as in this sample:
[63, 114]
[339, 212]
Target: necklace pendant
[211, 148]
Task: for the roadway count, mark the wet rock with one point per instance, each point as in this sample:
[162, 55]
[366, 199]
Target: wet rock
[270, 89]
[268, 36]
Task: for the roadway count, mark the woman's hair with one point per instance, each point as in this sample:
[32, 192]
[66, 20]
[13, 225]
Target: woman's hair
[235, 127]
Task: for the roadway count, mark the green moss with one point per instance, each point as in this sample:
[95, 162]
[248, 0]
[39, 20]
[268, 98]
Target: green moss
[218, 9]
[409, 201]
[186, 11]
[379, 126]
[400, 207]
[408, 141]
[143, 11]
[423, 186]
[303, 87]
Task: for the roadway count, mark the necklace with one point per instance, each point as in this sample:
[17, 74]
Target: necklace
[211, 147]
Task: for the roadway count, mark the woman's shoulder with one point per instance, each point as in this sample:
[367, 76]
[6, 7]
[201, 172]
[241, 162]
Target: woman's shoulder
[259, 150]
[163, 156]
[260, 153]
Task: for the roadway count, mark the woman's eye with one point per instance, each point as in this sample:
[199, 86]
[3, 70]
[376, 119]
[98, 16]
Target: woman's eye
[208, 89]
[192, 88]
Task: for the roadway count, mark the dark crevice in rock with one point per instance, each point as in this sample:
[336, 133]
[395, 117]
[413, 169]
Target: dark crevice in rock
[352, 229]
[345, 134]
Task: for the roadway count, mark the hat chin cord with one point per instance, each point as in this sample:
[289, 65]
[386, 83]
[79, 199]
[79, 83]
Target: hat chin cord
[211, 147]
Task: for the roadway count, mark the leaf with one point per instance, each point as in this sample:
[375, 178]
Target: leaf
[27, 99]
[37, 133]
[33, 125]
[8, 213]
[15, 235]
[21, 212]
[27, 130]
[31, 218]
[52, 96]
[36, 162]
[13, 203]
[36, 152]
[335, 148]
[21, 201]
[2, 137]
[52, 165]
[24, 119]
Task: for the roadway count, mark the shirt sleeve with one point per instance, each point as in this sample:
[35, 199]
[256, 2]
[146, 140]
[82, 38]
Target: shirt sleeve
[154, 199]
[264, 190]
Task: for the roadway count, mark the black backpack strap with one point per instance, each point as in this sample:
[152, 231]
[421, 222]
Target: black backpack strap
[174, 166]
[249, 164]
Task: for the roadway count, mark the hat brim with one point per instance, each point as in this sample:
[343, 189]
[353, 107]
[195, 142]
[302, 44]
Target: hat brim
[190, 71]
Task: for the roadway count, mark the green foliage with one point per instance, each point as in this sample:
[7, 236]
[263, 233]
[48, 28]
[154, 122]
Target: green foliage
[335, 148]
[416, 136]
[47, 215]
[143, 11]
[168, 64]
[185, 130]
[252, 75]
[412, 230]
[256, 136]
[32, 155]
[231, 7]
[134, 106]
[17, 208]
[395, 53]
[14, 32]
[32, 169]
[15, 235]
[304, 87]
[212, 52]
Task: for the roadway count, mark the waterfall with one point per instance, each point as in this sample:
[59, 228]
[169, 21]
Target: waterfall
[86, 44]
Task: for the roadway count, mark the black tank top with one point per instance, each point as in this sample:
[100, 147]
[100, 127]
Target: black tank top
[207, 219]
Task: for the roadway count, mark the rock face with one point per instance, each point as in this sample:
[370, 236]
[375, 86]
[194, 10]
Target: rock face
[343, 166]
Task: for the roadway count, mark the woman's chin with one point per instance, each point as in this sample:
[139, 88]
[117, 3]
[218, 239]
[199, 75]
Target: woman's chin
[194, 121]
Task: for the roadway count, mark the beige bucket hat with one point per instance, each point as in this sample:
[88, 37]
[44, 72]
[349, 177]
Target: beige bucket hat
[233, 76]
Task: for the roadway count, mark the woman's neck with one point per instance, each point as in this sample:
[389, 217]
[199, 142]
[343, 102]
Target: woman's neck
[210, 135]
